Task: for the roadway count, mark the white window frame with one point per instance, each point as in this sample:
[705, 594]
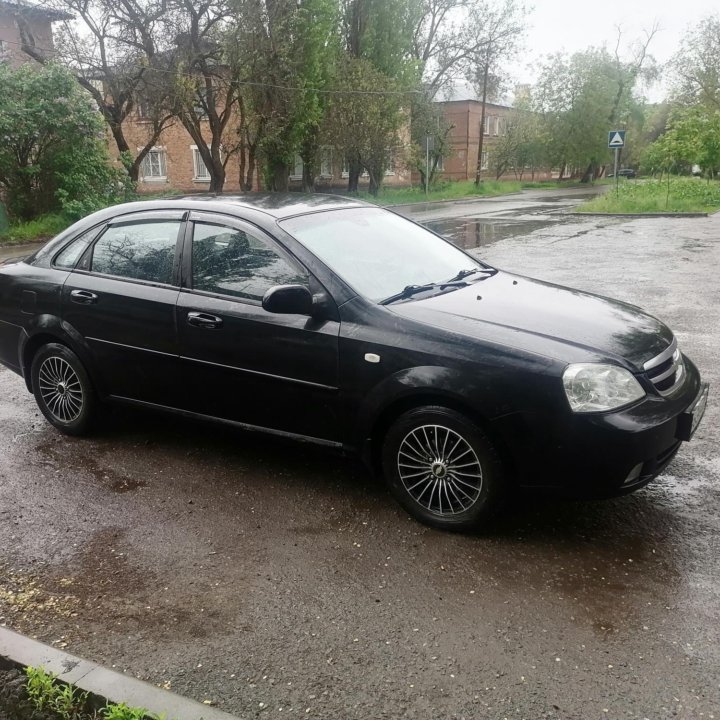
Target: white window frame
[298, 164]
[486, 129]
[162, 152]
[485, 160]
[346, 173]
[326, 162]
[199, 163]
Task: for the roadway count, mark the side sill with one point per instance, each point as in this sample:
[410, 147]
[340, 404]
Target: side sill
[232, 423]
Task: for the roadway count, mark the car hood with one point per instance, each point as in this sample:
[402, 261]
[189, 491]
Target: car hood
[541, 311]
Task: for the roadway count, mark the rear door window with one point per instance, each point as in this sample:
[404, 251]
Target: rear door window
[143, 250]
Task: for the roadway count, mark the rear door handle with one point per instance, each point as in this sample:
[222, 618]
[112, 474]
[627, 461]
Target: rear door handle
[83, 297]
[204, 320]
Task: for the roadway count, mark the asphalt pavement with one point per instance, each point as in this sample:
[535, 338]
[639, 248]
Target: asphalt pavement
[273, 579]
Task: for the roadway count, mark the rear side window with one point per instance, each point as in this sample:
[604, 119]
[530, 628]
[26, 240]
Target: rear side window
[139, 251]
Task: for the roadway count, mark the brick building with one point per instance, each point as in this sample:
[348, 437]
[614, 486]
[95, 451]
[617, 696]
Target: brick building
[463, 111]
[175, 164]
[35, 21]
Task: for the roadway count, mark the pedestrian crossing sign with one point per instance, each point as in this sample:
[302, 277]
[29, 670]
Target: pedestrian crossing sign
[616, 139]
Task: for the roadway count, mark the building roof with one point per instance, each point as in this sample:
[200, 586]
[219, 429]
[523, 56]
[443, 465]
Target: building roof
[464, 92]
[20, 7]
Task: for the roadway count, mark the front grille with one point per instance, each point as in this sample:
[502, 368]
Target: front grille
[666, 371]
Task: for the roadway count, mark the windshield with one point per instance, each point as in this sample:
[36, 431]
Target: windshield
[377, 252]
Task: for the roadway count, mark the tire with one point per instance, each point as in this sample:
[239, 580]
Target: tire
[62, 389]
[463, 481]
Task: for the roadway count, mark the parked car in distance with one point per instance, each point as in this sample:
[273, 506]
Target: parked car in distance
[336, 322]
[624, 172]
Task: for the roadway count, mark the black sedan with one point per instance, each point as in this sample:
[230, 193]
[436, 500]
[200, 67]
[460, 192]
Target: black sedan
[335, 322]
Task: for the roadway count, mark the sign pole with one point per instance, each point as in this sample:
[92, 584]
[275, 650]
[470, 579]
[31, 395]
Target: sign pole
[427, 164]
[617, 179]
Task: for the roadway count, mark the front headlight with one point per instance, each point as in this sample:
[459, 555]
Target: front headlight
[594, 387]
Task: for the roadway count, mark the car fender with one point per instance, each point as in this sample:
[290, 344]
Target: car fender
[433, 383]
[45, 328]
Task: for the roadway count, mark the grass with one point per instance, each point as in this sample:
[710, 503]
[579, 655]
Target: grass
[64, 702]
[42, 228]
[457, 190]
[676, 195]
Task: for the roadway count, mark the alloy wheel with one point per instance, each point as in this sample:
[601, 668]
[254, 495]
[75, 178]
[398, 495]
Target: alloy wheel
[439, 469]
[60, 389]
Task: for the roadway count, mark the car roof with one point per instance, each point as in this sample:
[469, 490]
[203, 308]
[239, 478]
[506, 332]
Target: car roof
[276, 205]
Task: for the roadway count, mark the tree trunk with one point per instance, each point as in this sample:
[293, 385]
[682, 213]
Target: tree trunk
[308, 178]
[247, 185]
[280, 176]
[354, 176]
[589, 174]
[217, 179]
[486, 72]
[375, 183]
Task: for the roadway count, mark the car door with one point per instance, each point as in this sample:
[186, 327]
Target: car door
[120, 299]
[242, 363]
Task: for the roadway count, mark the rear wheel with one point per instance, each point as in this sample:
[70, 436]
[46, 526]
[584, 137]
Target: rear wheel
[62, 389]
[442, 468]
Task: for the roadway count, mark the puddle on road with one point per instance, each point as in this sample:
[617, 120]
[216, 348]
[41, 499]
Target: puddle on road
[470, 233]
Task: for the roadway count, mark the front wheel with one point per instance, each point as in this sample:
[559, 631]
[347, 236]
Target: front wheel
[442, 468]
[62, 389]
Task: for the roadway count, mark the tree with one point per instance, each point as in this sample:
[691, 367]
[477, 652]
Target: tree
[581, 97]
[53, 156]
[380, 32]
[696, 66]
[520, 146]
[693, 138]
[428, 120]
[113, 52]
[364, 124]
[502, 27]
[206, 81]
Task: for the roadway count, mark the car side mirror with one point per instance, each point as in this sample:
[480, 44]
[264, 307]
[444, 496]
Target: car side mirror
[288, 299]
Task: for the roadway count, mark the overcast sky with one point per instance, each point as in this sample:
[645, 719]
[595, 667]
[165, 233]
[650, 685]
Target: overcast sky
[573, 25]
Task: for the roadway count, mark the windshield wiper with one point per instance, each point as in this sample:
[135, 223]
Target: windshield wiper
[465, 273]
[409, 290]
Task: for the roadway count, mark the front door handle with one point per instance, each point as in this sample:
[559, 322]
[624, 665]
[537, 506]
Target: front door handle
[204, 320]
[83, 297]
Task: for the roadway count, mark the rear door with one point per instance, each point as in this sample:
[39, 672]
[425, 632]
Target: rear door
[242, 363]
[121, 299]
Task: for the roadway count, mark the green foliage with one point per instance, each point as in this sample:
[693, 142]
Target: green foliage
[451, 190]
[693, 138]
[123, 712]
[47, 694]
[68, 703]
[53, 156]
[580, 98]
[673, 194]
[696, 66]
[365, 127]
[45, 226]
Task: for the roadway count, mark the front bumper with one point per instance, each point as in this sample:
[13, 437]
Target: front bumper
[605, 453]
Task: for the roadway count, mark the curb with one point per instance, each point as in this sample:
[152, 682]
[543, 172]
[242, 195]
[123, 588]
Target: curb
[641, 215]
[17, 649]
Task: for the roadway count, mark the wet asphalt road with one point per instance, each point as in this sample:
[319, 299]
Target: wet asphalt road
[275, 579]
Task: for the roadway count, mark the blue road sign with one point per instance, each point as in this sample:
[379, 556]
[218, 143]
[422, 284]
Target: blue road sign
[616, 139]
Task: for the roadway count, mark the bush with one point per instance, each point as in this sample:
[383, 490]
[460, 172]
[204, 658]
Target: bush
[53, 156]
